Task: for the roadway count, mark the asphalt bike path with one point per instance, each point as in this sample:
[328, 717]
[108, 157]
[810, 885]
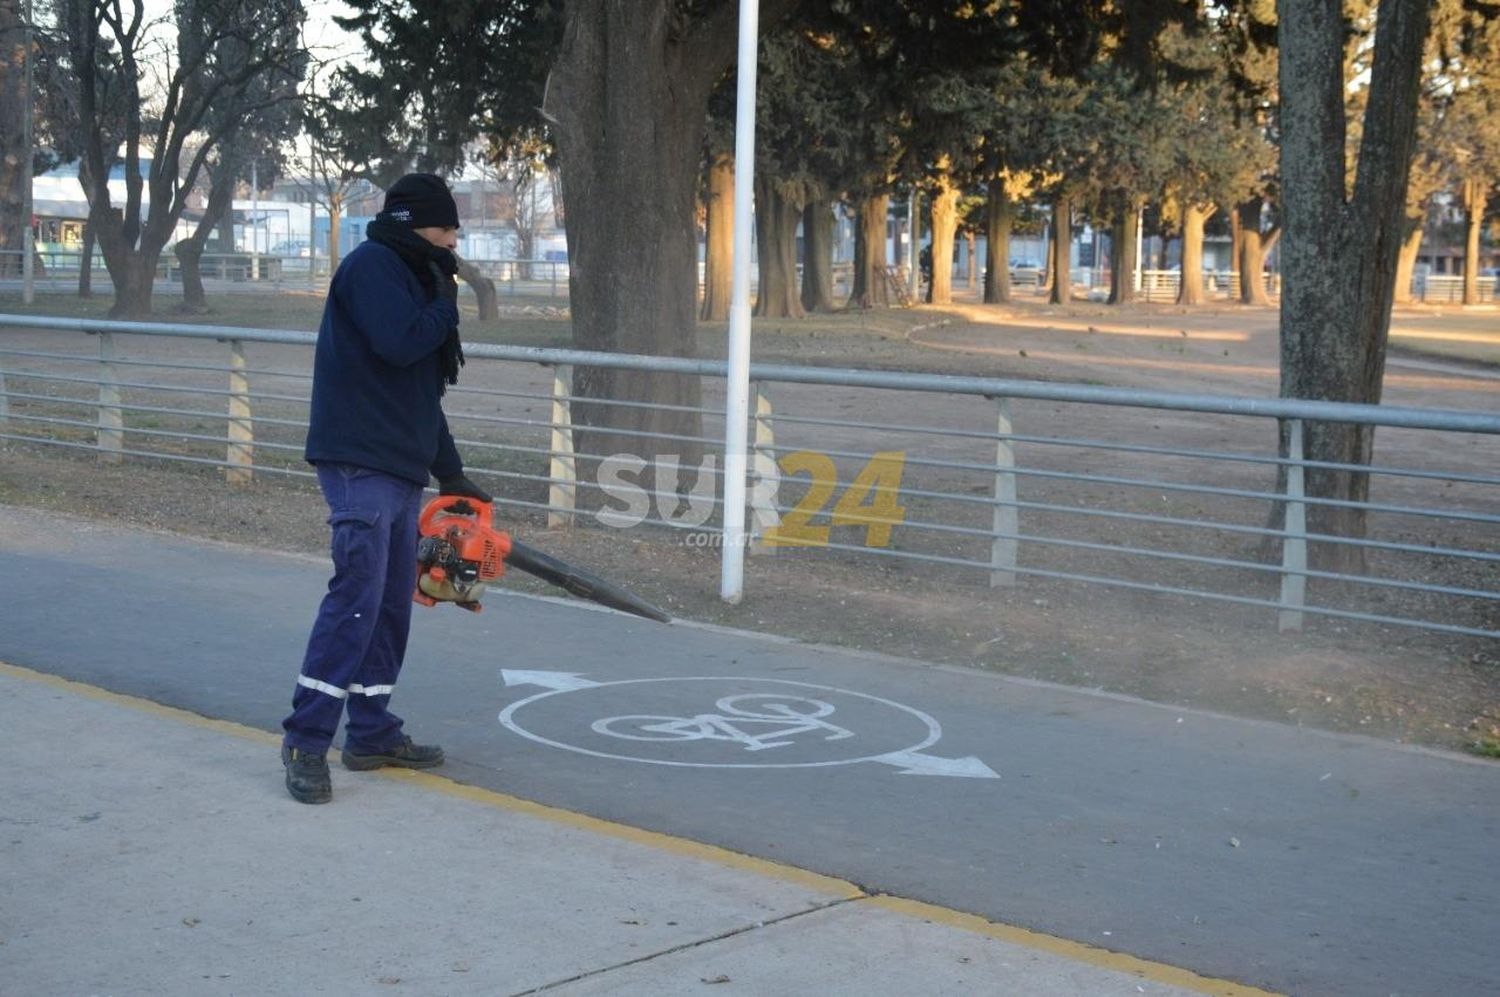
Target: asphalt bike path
[1242, 851]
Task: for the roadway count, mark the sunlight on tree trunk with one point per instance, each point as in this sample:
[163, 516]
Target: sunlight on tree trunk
[776, 218]
[1122, 252]
[1406, 266]
[335, 220]
[1475, 198]
[999, 217]
[1254, 247]
[1061, 262]
[870, 290]
[944, 225]
[718, 246]
[1190, 291]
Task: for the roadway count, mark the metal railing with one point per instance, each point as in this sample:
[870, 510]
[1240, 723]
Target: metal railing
[1168, 493]
[1449, 289]
[59, 271]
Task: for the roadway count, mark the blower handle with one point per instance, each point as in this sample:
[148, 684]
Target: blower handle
[460, 505]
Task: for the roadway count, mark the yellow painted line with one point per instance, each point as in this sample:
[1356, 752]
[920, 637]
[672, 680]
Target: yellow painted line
[1119, 962]
[837, 888]
[1076, 951]
[652, 839]
[137, 703]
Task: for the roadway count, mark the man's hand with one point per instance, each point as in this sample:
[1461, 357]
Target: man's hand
[447, 287]
[460, 484]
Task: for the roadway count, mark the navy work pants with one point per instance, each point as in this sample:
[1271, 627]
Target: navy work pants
[359, 639]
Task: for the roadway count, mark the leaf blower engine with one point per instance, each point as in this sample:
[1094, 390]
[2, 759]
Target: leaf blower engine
[459, 551]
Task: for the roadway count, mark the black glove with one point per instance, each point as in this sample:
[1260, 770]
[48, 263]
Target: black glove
[447, 287]
[460, 484]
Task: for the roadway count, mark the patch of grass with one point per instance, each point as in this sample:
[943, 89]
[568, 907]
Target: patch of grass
[1485, 747]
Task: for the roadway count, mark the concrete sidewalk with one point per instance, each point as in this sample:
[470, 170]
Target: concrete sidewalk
[147, 850]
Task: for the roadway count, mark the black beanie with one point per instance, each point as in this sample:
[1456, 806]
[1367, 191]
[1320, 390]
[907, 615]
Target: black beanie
[421, 200]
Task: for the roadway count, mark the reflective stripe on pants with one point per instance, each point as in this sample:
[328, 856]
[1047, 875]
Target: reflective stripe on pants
[358, 641]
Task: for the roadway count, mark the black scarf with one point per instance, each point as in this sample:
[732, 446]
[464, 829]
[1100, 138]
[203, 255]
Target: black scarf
[430, 264]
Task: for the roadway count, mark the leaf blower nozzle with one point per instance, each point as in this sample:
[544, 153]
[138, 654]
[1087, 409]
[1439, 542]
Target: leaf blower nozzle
[459, 552]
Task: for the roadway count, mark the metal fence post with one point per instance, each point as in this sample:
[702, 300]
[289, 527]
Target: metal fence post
[766, 475]
[1294, 536]
[241, 454]
[1006, 521]
[4, 401]
[111, 436]
[562, 468]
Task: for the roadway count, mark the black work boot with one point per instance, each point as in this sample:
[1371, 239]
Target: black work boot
[307, 777]
[405, 755]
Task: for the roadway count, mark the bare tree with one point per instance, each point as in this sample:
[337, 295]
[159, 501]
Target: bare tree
[165, 86]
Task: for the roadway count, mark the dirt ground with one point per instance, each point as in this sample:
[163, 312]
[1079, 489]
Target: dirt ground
[1386, 682]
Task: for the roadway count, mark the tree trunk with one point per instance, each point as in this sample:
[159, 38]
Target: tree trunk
[1254, 245]
[718, 250]
[870, 290]
[817, 256]
[335, 215]
[134, 277]
[15, 155]
[776, 218]
[627, 100]
[86, 263]
[1122, 252]
[999, 217]
[1475, 198]
[944, 225]
[189, 253]
[1339, 258]
[1190, 290]
[483, 288]
[1406, 264]
[131, 248]
[1061, 251]
[223, 240]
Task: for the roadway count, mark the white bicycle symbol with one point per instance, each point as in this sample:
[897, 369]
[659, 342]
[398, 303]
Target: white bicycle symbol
[776, 717]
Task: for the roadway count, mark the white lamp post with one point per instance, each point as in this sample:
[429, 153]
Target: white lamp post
[737, 404]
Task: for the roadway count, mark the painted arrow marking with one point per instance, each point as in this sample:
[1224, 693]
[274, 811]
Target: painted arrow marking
[560, 681]
[916, 763]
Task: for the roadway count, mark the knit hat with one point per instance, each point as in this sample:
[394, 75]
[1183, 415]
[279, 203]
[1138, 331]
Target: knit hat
[421, 200]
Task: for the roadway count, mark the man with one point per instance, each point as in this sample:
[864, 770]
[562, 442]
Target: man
[387, 349]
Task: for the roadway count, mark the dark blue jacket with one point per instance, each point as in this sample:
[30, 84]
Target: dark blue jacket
[376, 398]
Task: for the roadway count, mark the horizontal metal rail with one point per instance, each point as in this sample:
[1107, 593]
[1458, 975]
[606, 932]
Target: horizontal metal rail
[1008, 503]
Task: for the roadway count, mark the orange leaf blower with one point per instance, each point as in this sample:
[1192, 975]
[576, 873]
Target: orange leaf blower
[459, 552]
